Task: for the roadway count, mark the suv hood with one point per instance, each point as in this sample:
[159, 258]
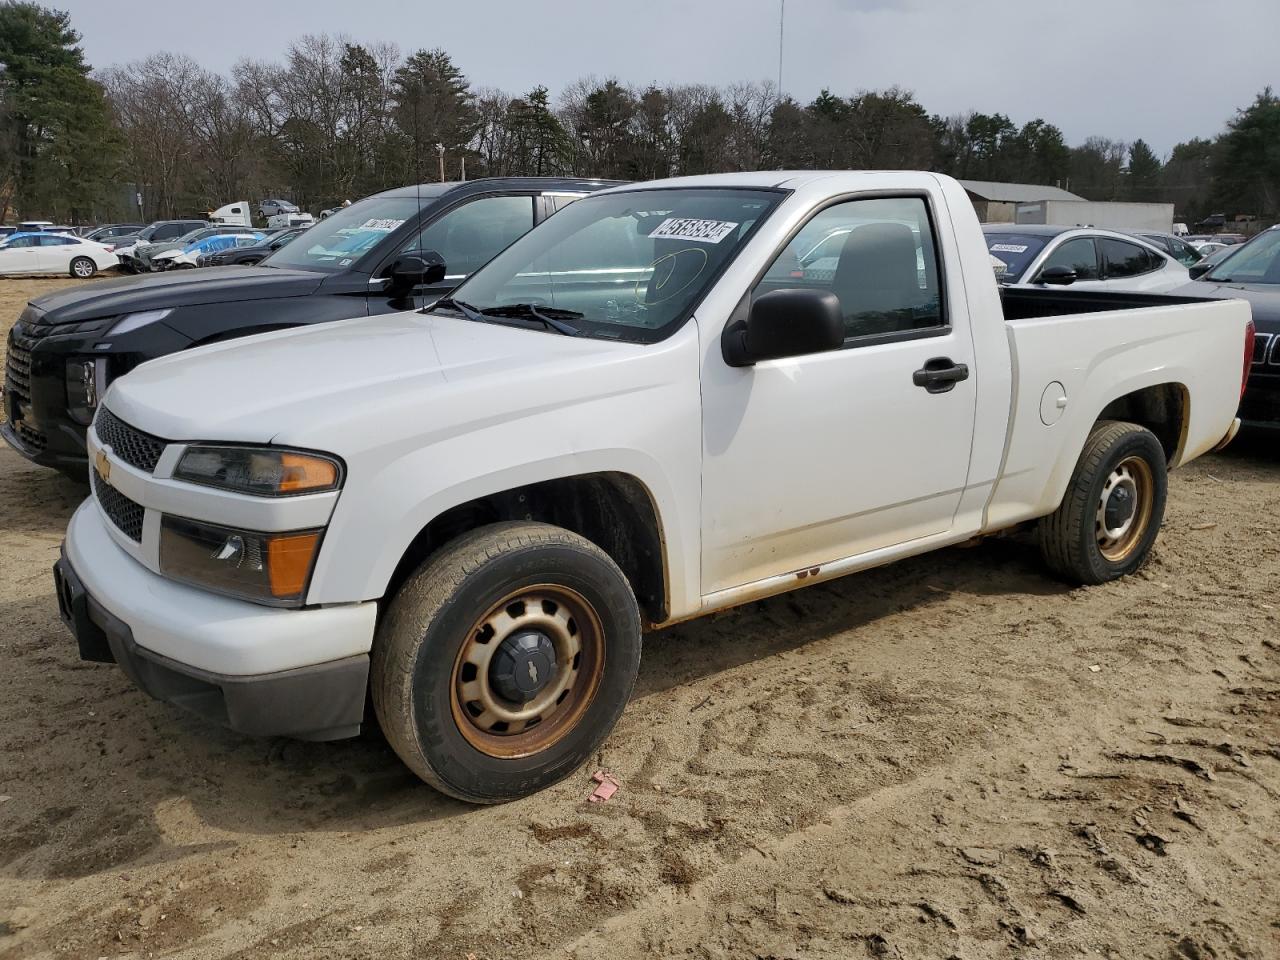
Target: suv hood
[345, 387]
[1263, 297]
[106, 298]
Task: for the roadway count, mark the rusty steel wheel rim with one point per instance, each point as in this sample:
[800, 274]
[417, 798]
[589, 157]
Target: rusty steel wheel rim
[1124, 509]
[486, 714]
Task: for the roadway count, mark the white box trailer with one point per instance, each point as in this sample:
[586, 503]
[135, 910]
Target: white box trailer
[1101, 213]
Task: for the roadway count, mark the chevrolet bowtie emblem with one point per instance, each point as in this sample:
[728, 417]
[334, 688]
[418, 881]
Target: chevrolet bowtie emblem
[103, 465]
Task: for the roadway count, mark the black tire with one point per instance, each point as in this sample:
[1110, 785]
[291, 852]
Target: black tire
[438, 617]
[82, 268]
[1074, 541]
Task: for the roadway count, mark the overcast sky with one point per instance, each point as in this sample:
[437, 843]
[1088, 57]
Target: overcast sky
[1162, 70]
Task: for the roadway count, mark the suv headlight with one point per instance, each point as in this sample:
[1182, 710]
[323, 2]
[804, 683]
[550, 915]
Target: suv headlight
[260, 471]
[132, 321]
[271, 568]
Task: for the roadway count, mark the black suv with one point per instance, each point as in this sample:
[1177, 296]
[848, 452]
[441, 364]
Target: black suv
[371, 257]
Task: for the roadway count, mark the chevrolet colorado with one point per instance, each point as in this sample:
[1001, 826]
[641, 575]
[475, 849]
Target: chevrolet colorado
[645, 410]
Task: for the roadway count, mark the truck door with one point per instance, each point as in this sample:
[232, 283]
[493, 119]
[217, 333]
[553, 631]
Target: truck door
[818, 458]
[466, 237]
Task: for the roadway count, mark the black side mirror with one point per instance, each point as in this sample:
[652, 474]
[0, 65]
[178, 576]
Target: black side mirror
[785, 323]
[412, 270]
[1059, 276]
[1198, 270]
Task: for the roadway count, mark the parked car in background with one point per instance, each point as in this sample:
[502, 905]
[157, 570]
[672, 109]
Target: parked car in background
[189, 256]
[144, 255]
[371, 257]
[34, 226]
[1174, 246]
[283, 221]
[7, 231]
[472, 514]
[160, 231]
[114, 232]
[247, 255]
[42, 252]
[271, 208]
[1085, 258]
[1252, 271]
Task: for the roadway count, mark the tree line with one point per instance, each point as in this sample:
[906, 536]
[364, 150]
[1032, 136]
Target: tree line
[334, 120]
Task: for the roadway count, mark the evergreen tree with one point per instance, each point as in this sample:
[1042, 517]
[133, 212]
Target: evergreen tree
[1143, 180]
[57, 145]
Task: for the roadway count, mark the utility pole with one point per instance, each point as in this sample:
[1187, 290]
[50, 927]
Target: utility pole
[440, 150]
[782, 22]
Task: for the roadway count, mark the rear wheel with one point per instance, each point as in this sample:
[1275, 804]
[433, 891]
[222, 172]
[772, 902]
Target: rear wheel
[83, 267]
[505, 660]
[1111, 514]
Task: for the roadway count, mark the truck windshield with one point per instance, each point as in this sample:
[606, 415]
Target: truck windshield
[1258, 261]
[336, 242]
[1012, 253]
[627, 266]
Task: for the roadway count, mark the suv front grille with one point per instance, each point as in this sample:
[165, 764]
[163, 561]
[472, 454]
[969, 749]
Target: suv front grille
[138, 449]
[17, 364]
[120, 510]
[1260, 343]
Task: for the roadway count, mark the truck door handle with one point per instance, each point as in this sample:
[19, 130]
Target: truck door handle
[940, 375]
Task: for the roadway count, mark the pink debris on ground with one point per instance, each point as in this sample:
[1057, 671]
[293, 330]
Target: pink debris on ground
[608, 786]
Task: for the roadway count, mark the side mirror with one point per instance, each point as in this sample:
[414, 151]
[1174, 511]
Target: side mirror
[1059, 276]
[785, 323]
[1198, 270]
[413, 270]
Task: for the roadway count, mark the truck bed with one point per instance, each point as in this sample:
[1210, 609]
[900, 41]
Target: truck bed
[1029, 303]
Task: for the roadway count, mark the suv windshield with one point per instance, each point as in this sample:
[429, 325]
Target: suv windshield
[337, 242]
[1258, 261]
[626, 265]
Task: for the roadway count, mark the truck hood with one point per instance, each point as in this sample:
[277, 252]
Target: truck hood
[1263, 297]
[107, 298]
[394, 378]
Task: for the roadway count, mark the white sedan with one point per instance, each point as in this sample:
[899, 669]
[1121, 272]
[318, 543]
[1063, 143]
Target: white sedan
[26, 253]
[1084, 258]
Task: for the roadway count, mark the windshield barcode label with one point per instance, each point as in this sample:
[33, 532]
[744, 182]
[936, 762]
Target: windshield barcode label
[700, 231]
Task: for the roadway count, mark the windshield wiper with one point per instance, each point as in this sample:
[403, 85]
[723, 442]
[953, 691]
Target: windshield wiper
[466, 309]
[543, 315]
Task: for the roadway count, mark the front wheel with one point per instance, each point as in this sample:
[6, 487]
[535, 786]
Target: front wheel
[83, 268]
[505, 660]
[1113, 508]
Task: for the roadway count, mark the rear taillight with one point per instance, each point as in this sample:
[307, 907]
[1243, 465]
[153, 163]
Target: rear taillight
[1249, 331]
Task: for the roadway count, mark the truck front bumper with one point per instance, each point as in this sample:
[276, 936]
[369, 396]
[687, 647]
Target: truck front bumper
[110, 602]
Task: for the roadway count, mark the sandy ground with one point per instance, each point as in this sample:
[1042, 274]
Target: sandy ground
[953, 757]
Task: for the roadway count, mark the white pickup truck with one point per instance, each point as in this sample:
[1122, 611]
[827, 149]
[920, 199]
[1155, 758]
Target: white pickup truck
[646, 410]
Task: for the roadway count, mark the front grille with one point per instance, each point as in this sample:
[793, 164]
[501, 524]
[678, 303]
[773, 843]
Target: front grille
[34, 439]
[138, 449]
[120, 510]
[1260, 343]
[17, 363]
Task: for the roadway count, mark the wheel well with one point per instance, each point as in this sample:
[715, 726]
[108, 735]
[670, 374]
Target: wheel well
[1162, 409]
[612, 510]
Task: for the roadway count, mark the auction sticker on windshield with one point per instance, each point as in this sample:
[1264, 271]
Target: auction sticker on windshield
[1008, 248]
[700, 231]
[385, 225]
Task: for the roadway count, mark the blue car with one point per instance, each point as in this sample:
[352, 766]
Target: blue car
[191, 254]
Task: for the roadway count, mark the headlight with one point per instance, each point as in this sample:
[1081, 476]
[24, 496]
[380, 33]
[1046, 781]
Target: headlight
[262, 471]
[132, 321]
[272, 568]
[86, 380]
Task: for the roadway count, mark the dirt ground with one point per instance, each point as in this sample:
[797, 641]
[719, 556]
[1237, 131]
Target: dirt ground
[953, 757]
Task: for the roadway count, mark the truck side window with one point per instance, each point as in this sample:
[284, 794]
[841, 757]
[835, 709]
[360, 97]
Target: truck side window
[470, 236]
[1077, 254]
[877, 255]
